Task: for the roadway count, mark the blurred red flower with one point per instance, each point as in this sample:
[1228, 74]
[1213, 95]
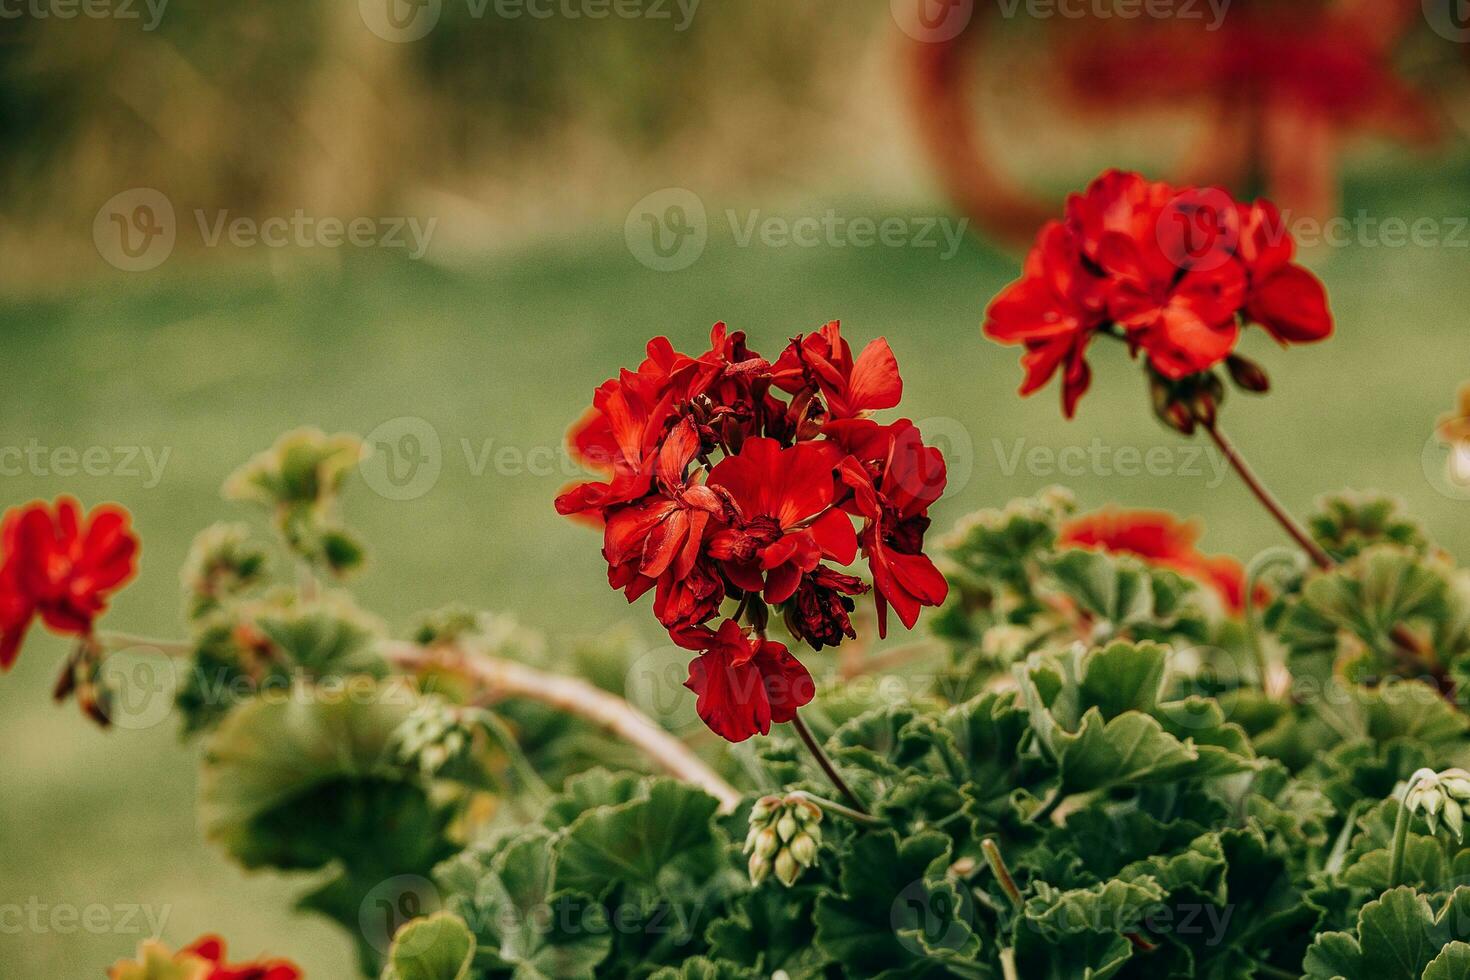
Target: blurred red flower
[1161, 539]
[1174, 272]
[60, 566]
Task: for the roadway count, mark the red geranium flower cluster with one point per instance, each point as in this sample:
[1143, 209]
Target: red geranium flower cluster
[732, 478]
[1176, 272]
[60, 566]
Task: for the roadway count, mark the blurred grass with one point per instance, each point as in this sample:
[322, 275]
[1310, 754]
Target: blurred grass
[213, 364]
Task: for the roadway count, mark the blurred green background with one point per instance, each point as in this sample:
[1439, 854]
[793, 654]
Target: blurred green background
[530, 142]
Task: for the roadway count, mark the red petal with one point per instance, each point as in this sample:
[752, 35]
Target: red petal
[1292, 305]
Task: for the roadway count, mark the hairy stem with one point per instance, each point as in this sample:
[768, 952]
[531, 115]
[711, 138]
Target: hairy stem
[574, 696]
[997, 863]
[831, 806]
[815, 748]
[1401, 831]
[1268, 500]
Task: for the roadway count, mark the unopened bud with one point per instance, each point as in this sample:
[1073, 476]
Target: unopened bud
[766, 843]
[786, 825]
[1247, 374]
[804, 849]
[787, 867]
[759, 869]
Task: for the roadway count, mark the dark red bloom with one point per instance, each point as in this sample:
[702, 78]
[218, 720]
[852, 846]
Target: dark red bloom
[895, 478]
[1053, 309]
[61, 567]
[786, 521]
[823, 361]
[744, 684]
[722, 489]
[1162, 539]
[1175, 272]
[820, 610]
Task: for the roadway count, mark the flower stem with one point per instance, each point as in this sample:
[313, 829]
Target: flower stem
[815, 749]
[112, 642]
[1401, 831]
[574, 696]
[1268, 500]
[831, 806]
[998, 868]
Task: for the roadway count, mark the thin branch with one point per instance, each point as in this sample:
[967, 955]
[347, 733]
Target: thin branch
[576, 697]
[1268, 500]
[815, 748]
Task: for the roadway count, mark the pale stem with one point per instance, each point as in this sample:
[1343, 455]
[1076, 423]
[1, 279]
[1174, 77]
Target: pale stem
[575, 697]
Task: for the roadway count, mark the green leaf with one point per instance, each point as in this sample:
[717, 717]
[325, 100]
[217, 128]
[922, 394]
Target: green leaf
[896, 910]
[440, 947]
[309, 781]
[635, 842]
[1452, 963]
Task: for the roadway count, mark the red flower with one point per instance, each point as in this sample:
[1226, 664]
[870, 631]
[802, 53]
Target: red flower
[1159, 538]
[745, 684]
[60, 567]
[823, 361]
[1283, 297]
[895, 478]
[211, 949]
[1172, 271]
[720, 488]
[786, 522]
[1054, 310]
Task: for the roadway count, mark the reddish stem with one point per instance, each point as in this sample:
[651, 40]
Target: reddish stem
[1320, 557]
[815, 749]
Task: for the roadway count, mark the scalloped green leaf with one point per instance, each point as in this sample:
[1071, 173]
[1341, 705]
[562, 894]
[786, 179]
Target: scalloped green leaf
[440, 947]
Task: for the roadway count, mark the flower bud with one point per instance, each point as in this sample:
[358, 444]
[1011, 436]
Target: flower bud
[759, 869]
[804, 850]
[1247, 374]
[787, 867]
[786, 825]
[1436, 795]
[785, 834]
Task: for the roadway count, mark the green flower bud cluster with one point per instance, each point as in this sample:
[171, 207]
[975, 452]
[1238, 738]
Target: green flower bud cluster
[784, 835]
[433, 736]
[1440, 795]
